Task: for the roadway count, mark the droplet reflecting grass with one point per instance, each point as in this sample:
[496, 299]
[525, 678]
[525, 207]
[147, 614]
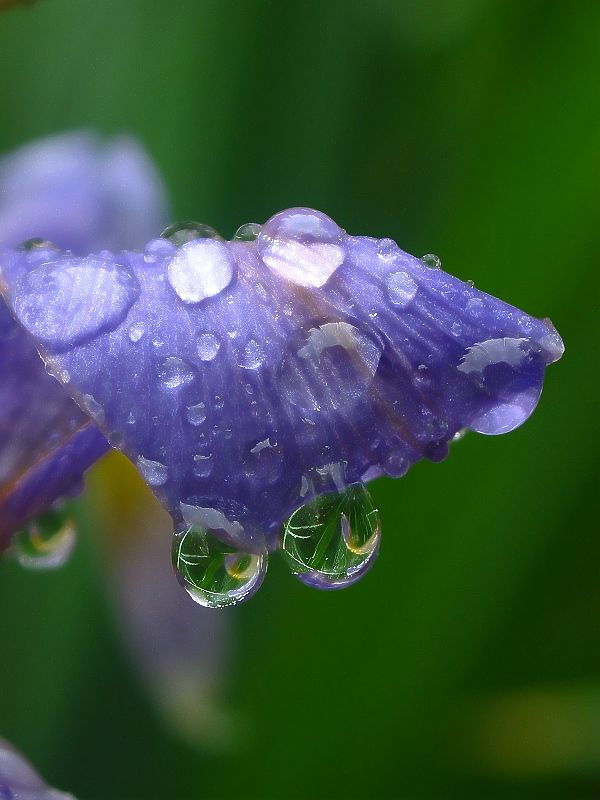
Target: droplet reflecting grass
[214, 574]
[331, 542]
[182, 232]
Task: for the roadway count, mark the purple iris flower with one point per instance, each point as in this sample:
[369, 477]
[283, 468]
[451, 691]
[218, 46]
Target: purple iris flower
[19, 781]
[259, 384]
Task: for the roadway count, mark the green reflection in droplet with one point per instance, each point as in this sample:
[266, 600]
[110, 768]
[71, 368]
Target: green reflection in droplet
[215, 574]
[182, 232]
[332, 541]
[247, 233]
[47, 541]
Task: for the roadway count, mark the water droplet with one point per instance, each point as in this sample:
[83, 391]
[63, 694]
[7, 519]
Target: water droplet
[248, 232]
[208, 346]
[302, 246]
[401, 288]
[154, 472]
[200, 269]
[474, 305]
[459, 435]
[219, 402]
[252, 356]
[471, 284]
[332, 541]
[215, 574]
[432, 261]
[92, 294]
[203, 464]
[183, 232]
[36, 244]
[136, 331]
[47, 541]
[196, 414]
[174, 372]
[334, 367]
[387, 250]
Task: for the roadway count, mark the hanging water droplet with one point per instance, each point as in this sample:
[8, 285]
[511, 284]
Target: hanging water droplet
[37, 244]
[470, 284]
[182, 232]
[247, 233]
[332, 541]
[302, 245]
[215, 574]
[47, 541]
[432, 261]
[459, 435]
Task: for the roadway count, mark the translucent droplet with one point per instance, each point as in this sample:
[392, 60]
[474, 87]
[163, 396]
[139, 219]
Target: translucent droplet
[200, 269]
[182, 232]
[252, 356]
[432, 261]
[174, 372]
[401, 288]
[207, 345]
[470, 283]
[459, 435]
[215, 574]
[196, 414]
[47, 541]
[37, 244]
[154, 472]
[332, 541]
[136, 331]
[302, 245]
[247, 233]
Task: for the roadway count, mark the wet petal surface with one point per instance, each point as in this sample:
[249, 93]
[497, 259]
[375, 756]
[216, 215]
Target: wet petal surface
[283, 382]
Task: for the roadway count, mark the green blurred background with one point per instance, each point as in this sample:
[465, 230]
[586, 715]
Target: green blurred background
[467, 663]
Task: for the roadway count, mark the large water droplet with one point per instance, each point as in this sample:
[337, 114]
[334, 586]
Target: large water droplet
[432, 261]
[182, 232]
[47, 541]
[70, 301]
[215, 574]
[200, 269]
[332, 541]
[174, 372]
[302, 245]
[248, 232]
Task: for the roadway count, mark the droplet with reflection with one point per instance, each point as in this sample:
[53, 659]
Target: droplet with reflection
[182, 232]
[47, 541]
[213, 573]
[332, 541]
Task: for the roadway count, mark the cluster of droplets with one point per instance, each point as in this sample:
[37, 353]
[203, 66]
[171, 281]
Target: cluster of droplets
[329, 542]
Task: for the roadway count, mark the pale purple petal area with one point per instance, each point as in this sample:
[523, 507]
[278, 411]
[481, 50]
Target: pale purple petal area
[242, 377]
[82, 192]
[19, 781]
[78, 192]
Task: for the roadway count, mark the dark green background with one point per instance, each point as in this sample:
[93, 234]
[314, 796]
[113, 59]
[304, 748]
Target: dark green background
[467, 663]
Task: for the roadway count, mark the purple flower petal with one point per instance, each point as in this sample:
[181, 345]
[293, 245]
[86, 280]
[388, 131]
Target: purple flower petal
[79, 193]
[19, 781]
[239, 376]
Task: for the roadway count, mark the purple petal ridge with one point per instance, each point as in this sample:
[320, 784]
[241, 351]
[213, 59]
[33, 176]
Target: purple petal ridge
[242, 377]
